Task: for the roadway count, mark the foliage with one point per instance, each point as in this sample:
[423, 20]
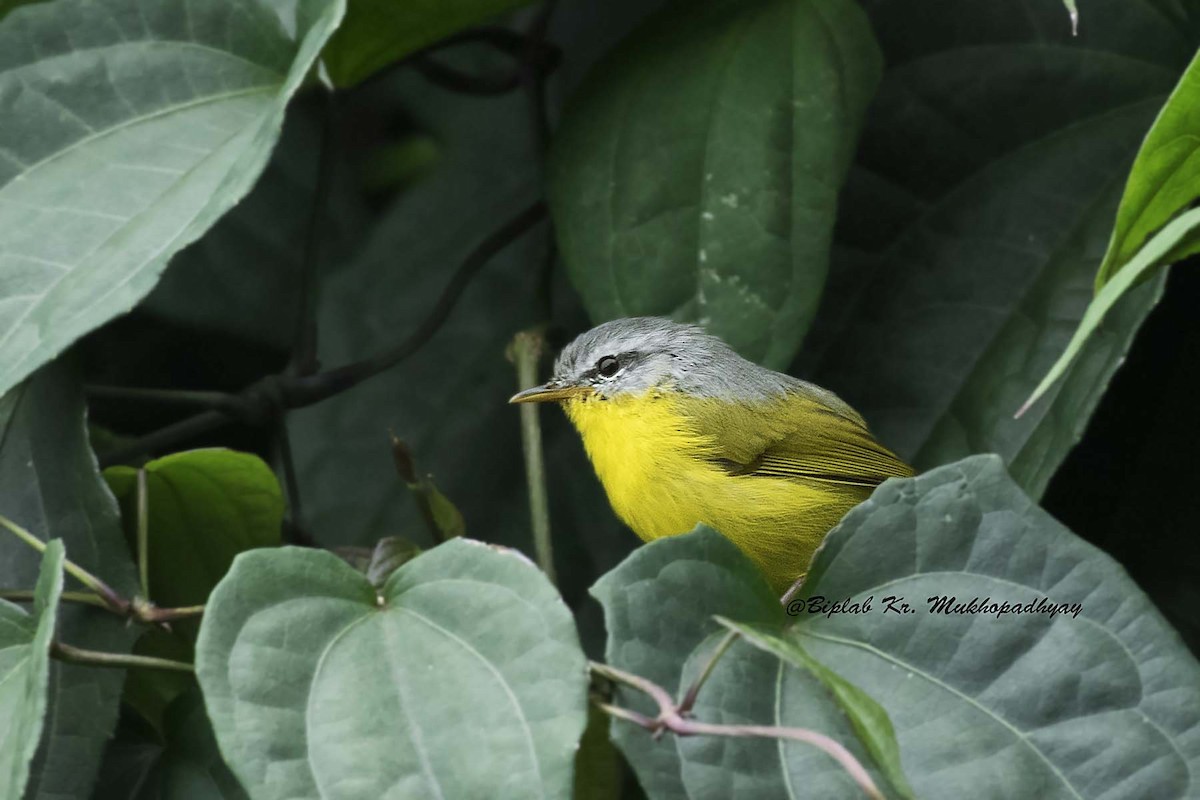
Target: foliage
[731, 225]
[281, 501]
[468, 648]
[25, 671]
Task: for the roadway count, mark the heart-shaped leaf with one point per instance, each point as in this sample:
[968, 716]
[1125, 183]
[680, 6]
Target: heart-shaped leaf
[127, 134]
[25, 672]
[696, 174]
[660, 608]
[1075, 688]
[463, 677]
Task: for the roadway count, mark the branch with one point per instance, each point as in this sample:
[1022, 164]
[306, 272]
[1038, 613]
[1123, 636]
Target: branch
[449, 78]
[28, 596]
[689, 698]
[313, 389]
[524, 351]
[107, 594]
[95, 658]
[188, 397]
[670, 719]
[165, 437]
[304, 343]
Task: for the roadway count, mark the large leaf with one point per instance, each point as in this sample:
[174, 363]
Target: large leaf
[987, 179]
[126, 135]
[379, 32]
[1023, 704]
[659, 606]
[49, 485]
[697, 173]
[25, 672]
[205, 507]
[1106, 703]
[467, 677]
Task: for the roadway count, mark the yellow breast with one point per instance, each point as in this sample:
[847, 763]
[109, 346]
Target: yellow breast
[663, 476]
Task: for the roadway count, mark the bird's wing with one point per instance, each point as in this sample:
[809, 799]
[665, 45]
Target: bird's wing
[804, 436]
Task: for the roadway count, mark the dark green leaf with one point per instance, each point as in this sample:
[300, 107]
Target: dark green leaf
[597, 764]
[25, 672]
[183, 765]
[245, 274]
[126, 136]
[697, 173]
[447, 401]
[467, 676]
[49, 485]
[377, 33]
[989, 171]
[205, 507]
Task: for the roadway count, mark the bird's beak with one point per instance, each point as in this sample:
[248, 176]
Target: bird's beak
[547, 393]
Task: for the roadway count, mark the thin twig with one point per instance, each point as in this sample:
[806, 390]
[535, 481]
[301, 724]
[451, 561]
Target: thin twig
[315, 388]
[525, 351]
[792, 591]
[28, 596]
[110, 597]
[290, 480]
[143, 533]
[166, 437]
[454, 80]
[186, 397]
[670, 719]
[304, 343]
[95, 658]
[276, 393]
[689, 698]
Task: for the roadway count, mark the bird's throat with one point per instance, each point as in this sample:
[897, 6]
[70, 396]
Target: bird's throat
[648, 457]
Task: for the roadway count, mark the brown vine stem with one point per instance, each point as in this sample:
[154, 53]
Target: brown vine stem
[95, 658]
[27, 596]
[138, 609]
[670, 719]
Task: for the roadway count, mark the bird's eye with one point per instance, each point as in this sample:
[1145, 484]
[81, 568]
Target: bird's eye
[608, 366]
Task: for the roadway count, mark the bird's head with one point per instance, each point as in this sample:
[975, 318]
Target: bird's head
[632, 356]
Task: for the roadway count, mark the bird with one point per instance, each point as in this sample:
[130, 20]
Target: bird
[682, 430]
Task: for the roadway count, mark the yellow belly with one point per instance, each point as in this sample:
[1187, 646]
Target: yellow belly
[661, 480]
